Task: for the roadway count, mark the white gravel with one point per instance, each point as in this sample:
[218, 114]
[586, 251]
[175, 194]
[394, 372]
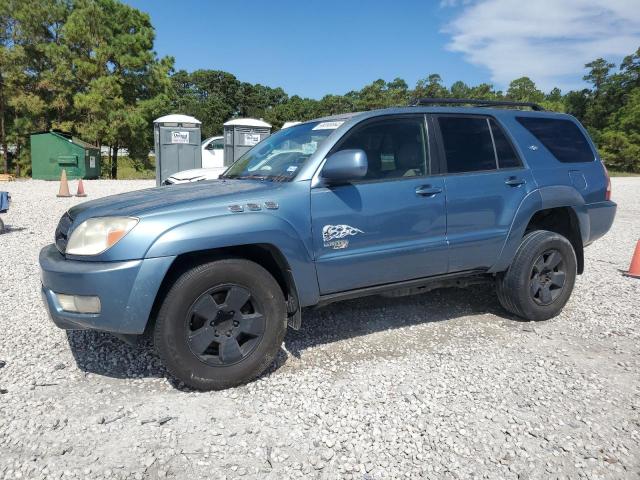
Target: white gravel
[441, 385]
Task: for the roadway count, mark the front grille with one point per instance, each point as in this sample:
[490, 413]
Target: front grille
[62, 232]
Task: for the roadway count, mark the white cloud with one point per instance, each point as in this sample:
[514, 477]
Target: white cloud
[546, 40]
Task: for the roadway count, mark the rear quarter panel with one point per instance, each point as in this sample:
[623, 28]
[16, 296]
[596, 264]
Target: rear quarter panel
[586, 178]
[581, 186]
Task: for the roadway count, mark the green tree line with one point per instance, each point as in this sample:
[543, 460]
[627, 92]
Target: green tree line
[88, 67]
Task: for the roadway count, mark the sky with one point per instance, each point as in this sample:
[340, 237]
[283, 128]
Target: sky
[312, 48]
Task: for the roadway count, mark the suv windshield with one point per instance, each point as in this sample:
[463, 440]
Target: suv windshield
[280, 156]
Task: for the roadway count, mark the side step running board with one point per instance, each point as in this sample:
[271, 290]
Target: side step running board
[458, 279]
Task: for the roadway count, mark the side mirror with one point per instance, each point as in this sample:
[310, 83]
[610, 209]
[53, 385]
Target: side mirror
[344, 166]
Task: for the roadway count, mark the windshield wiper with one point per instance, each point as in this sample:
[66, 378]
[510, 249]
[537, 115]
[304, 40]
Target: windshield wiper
[254, 177]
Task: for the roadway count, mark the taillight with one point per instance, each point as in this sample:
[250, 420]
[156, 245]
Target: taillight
[607, 193]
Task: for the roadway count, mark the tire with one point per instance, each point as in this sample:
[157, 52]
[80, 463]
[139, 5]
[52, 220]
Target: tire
[221, 324]
[541, 277]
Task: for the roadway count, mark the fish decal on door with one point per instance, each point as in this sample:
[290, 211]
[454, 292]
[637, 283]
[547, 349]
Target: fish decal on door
[334, 236]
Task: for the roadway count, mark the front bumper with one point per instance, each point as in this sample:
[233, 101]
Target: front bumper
[126, 289]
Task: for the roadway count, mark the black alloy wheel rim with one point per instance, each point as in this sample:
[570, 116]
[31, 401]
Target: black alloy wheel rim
[224, 325]
[547, 278]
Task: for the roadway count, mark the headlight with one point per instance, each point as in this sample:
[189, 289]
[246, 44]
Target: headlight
[96, 235]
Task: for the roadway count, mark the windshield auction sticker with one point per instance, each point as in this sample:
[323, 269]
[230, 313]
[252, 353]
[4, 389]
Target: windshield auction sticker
[328, 125]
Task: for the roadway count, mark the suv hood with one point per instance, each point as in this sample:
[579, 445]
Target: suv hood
[142, 201]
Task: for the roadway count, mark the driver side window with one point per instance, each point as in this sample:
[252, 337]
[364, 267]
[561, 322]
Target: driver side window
[395, 147]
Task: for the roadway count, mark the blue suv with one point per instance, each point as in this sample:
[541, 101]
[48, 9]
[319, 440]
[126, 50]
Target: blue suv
[335, 208]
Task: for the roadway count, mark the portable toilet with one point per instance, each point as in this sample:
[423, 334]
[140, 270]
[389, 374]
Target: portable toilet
[53, 151]
[177, 145]
[240, 135]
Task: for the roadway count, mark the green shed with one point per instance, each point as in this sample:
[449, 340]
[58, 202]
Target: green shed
[53, 151]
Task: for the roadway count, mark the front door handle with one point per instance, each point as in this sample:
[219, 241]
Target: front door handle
[428, 191]
[514, 181]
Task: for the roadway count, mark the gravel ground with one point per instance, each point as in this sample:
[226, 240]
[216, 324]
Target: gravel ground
[440, 385]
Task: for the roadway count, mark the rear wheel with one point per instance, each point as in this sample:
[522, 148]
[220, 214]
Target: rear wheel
[221, 324]
[541, 277]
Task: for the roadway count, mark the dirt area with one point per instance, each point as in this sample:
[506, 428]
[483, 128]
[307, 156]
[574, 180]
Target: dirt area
[439, 385]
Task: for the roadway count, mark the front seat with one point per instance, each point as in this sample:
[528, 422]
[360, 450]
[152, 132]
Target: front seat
[408, 161]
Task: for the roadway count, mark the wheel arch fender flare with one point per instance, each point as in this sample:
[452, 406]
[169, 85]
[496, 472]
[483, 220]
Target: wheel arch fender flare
[244, 229]
[535, 201]
[564, 196]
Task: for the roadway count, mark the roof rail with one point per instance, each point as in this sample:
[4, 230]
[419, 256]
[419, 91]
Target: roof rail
[476, 102]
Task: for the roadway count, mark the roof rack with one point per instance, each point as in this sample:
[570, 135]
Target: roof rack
[476, 102]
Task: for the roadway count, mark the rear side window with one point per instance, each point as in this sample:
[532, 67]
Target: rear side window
[467, 143]
[507, 157]
[561, 137]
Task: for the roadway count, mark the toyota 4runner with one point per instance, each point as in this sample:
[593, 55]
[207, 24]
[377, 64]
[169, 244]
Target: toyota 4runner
[331, 209]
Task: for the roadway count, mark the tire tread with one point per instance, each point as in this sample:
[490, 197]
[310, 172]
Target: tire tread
[174, 293]
[509, 284]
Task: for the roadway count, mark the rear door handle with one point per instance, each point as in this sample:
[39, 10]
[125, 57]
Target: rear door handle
[428, 191]
[514, 181]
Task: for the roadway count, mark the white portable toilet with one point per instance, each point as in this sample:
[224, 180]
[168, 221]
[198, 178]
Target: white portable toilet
[177, 145]
[240, 135]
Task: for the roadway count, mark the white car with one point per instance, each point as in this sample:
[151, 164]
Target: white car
[213, 152]
[212, 164]
[195, 175]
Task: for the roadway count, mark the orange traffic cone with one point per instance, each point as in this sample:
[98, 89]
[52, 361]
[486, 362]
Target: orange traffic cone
[80, 189]
[64, 185]
[634, 268]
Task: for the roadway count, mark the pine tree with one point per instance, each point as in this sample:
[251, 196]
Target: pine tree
[122, 84]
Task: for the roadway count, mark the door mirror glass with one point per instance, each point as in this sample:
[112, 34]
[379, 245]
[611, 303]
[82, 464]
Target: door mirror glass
[345, 166]
[209, 146]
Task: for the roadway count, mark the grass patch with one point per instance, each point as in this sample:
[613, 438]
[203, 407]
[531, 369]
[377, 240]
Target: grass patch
[130, 169]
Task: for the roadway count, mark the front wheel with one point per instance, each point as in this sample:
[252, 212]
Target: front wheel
[221, 324]
[541, 277]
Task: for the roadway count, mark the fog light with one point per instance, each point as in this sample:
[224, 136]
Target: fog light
[79, 303]
[66, 302]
